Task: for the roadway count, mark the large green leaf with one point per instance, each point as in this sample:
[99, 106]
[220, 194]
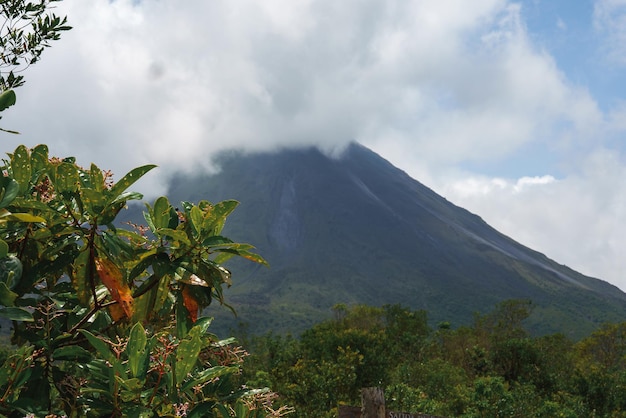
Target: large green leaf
[205, 409]
[214, 223]
[24, 217]
[136, 351]
[208, 374]
[67, 178]
[188, 350]
[162, 213]
[10, 189]
[217, 241]
[20, 165]
[7, 99]
[72, 353]
[196, 219]
[16, 314]
[128, 180]
[80, 277]
[226, 253]
[39, 161]
[4, 249]
[94, 200]
[96, 178]
[174, 235]
[7, 297]
[10, 271]
[100, 346]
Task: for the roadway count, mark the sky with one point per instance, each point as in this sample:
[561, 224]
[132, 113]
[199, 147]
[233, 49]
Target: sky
[514, 110]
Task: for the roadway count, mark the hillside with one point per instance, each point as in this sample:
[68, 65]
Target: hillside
[358, 230]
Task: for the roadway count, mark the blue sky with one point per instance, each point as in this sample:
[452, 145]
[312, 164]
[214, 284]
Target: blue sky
[515, 110]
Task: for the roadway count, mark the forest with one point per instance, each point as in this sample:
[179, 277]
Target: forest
[493, 368]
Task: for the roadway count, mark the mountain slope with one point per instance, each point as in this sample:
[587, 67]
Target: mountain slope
[358, 230]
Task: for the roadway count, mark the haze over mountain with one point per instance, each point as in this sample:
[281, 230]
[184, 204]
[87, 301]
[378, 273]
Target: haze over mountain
[355, 229]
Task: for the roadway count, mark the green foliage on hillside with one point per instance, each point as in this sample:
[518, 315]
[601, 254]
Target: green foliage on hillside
[493, 368]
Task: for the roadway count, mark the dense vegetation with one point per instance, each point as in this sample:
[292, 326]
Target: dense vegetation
[105, 319]
[493, 368]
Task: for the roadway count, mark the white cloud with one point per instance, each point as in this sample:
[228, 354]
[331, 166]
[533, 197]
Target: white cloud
[156, 81]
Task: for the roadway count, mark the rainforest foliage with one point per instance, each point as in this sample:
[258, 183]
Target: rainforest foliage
[106, 320]
[493, 368]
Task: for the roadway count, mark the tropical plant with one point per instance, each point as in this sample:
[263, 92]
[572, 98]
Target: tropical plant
[107, 318]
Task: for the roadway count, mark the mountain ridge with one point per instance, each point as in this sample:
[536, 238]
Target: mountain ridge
[356, 229]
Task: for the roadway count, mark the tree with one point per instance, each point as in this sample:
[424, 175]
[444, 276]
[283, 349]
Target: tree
[28, 28]
[107, 318]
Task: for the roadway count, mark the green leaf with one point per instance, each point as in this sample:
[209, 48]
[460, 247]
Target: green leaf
[39, 161]
[100, 346]
[96, 178]
[136, 351]
[20, 165]
[94, 200]
[24, 217]
[202, 325]
[71, 353]
[226, 253]
[128, 180]
[142, 262]
[67, 178]
[126, 196]
[174, 234]
[7, 99]
[132, 384]
[7, 297]
[216, 241]
[16, 314]
[10, 189]
[80, 277]
[196, 219]
[4, 249]
[209, 374]
[183, 322]
[219, 213]
[161, 213]
[110, 212]
[240, 409]
[204, 409]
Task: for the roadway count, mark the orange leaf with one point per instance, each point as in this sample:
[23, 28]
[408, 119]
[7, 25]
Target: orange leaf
[191, 304]
[111, 277]
[117, 312]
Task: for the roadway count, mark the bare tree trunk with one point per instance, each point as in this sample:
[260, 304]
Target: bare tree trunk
[373, 403]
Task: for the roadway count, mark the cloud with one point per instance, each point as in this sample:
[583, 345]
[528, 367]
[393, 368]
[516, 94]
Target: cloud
[159, 82]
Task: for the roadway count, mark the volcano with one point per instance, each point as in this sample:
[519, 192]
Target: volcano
[356, 229]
